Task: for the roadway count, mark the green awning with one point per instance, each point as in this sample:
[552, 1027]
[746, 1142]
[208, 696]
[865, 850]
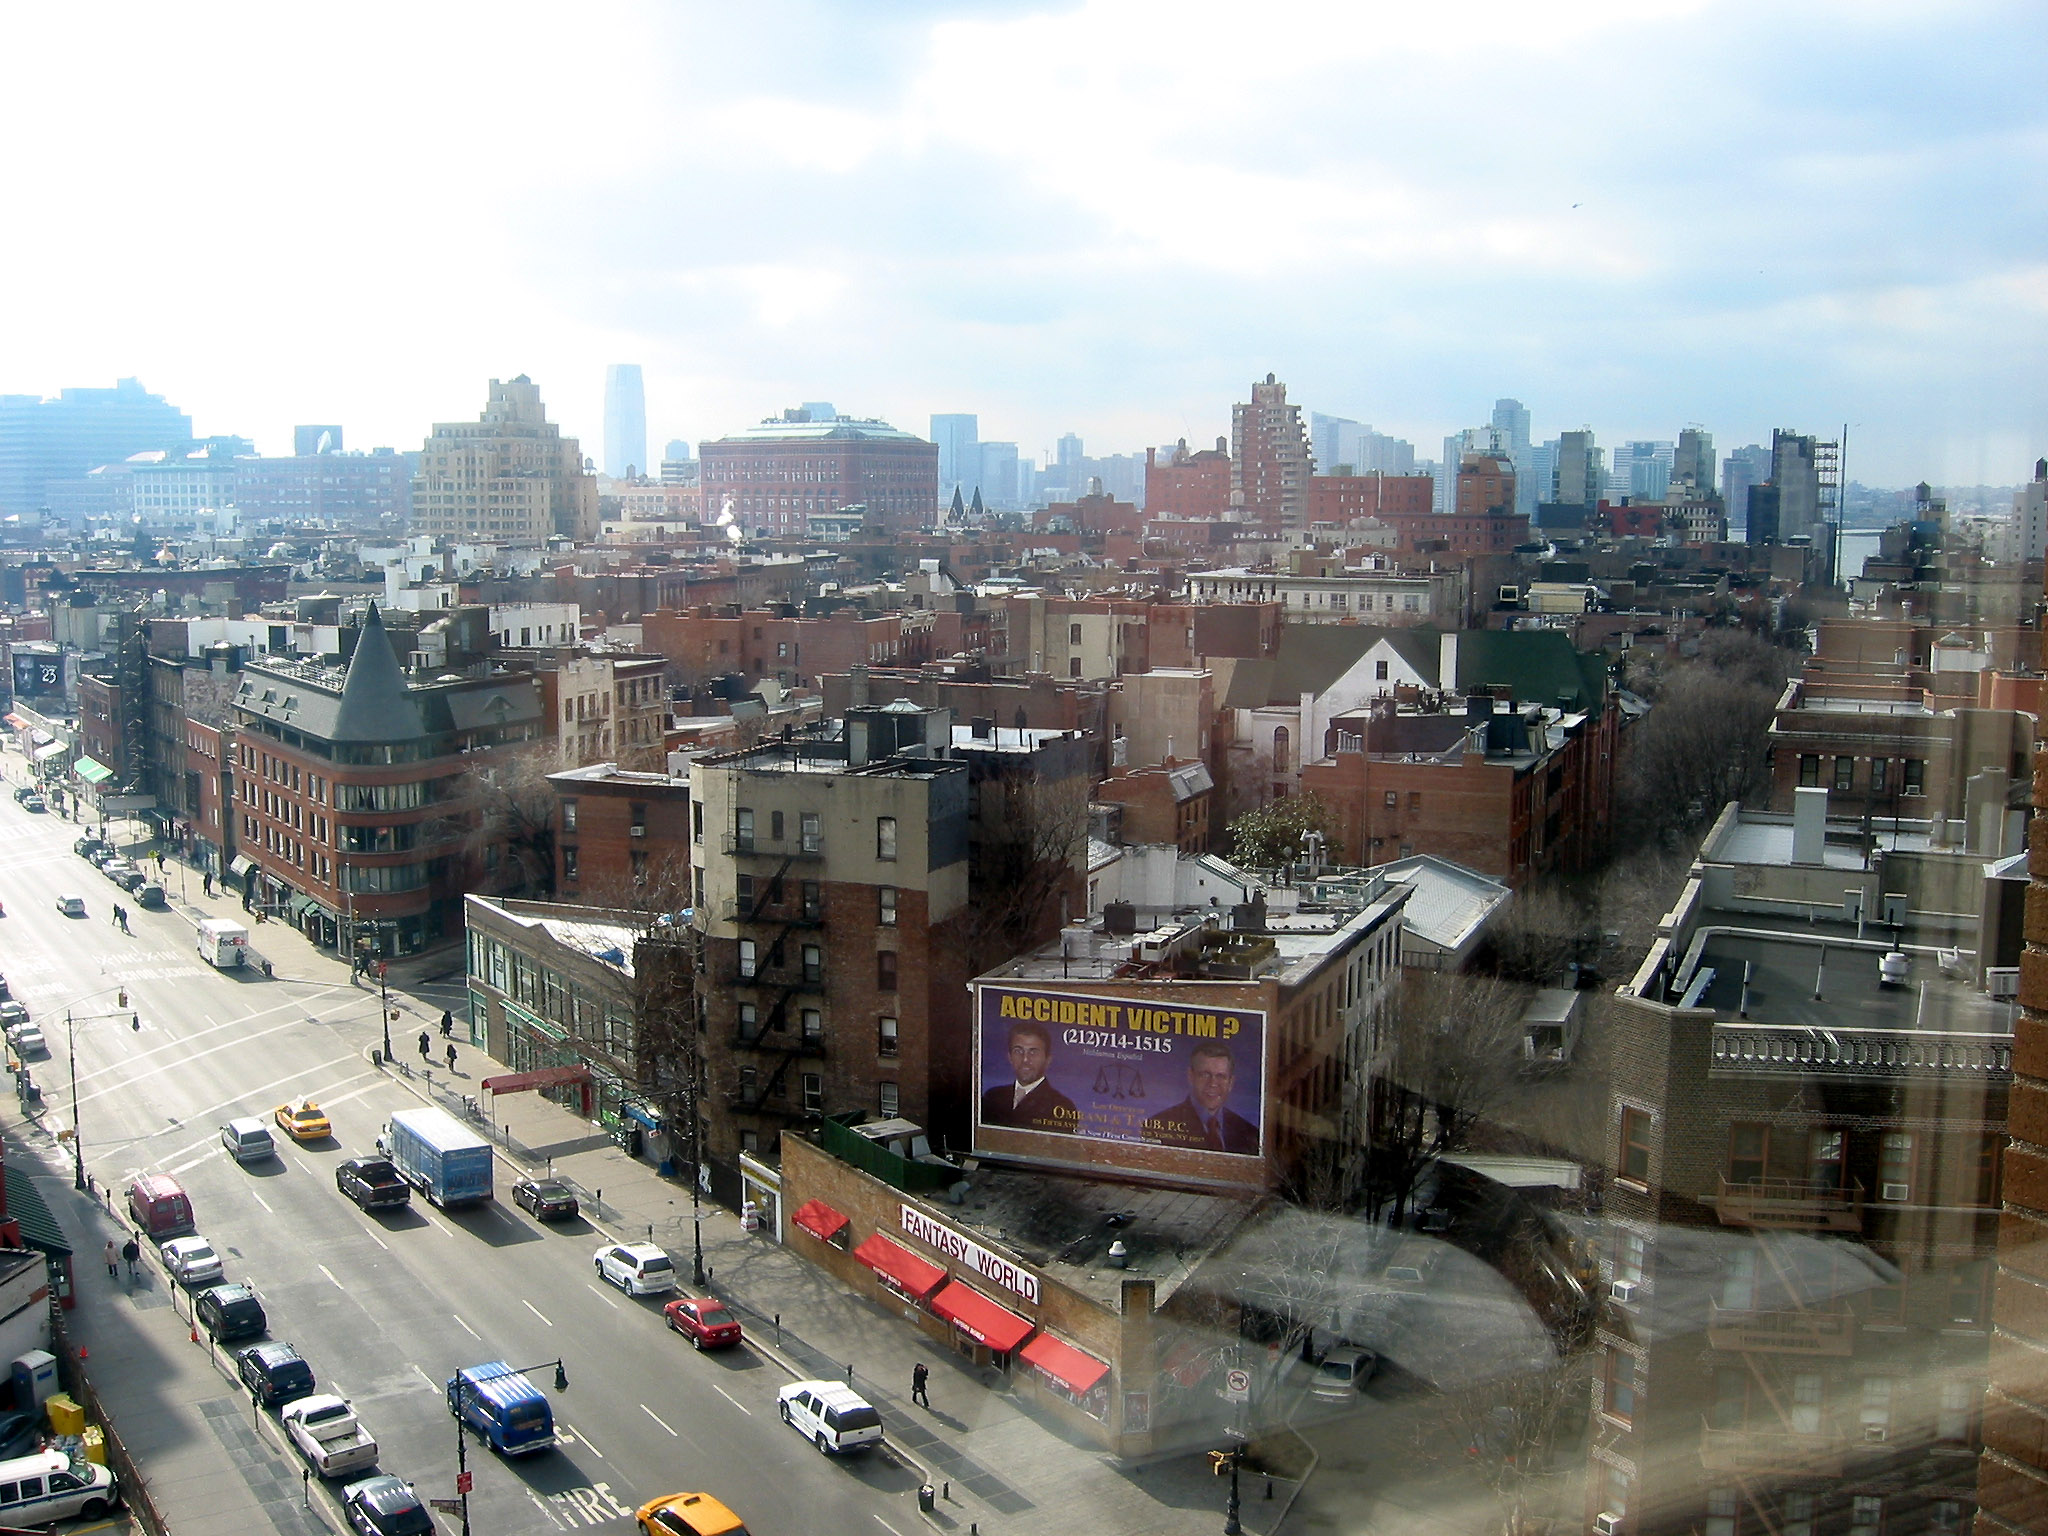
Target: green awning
[26, 1206]
[92, 772]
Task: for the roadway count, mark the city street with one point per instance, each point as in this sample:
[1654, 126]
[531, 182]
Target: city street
[384, 1307]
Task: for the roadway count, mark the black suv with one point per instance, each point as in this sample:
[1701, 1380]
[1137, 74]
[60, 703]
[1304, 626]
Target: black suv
[230, 1312]
[372, 1182]
[275, 1372]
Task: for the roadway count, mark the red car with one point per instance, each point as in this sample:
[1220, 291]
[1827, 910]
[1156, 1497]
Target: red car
[704, 1320]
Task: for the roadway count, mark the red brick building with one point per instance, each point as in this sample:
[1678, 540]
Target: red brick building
[622, 837]
[776, 474]
[794, 650]
[1190, 485]
[1346, 498]
[1169, 804]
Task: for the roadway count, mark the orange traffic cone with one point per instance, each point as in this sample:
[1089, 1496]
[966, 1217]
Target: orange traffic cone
[195, 1333]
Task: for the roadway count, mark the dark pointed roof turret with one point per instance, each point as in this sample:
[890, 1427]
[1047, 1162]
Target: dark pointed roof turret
[376, 706]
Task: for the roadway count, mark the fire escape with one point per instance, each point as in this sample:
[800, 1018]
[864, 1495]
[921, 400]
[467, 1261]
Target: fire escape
[785, 967]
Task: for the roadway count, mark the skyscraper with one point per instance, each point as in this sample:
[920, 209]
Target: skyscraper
[509, 477]
[1511, 421]
[1803, 470]
[1581, 469]
[82, 429]
[1642, 471]
[625, 421]
[1692, 462]
[1744, 467]
[959, 440]
[1270, 461]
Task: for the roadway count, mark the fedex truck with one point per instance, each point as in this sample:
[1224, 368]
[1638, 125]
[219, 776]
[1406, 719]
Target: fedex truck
[224, 944]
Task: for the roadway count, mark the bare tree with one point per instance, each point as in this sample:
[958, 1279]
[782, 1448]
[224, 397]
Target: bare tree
[513, 812]
[1704, 743]
[1033, 851]
[1512, 1428]
[1451, 1061]
[1540, 931]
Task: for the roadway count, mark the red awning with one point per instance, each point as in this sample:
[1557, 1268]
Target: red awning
[546, 1077]
[899, 1264]
[1068, 1366]
[819, 1219]
[981, 1319]
[16, 721]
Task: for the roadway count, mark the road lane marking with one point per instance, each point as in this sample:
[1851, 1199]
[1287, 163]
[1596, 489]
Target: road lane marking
[542, 1505]
[432, 1385]
[260, 1090]
[657, 1419]
[888, 1527]
[373, 1237]
[536, 1311]
[194, 1162]
[467, 1329]
[583, 1439]
[605, 1297]
[261, 1201]
[131, 1058]
[743, 1408]
[330, 1275]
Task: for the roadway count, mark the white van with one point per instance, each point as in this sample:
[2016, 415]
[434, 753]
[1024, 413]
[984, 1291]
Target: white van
[248, 1141]
[223, 944]
[51, 1486]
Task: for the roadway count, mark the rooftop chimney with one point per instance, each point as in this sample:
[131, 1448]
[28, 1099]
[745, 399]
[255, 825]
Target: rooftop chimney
[1809, 825]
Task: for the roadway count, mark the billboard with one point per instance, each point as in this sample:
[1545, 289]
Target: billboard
[1121, 1068]
[38, 674]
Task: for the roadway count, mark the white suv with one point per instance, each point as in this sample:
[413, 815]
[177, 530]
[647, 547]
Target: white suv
[638, 1269]
[829, 1414]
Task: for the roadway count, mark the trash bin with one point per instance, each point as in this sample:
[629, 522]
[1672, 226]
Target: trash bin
[927, 1498]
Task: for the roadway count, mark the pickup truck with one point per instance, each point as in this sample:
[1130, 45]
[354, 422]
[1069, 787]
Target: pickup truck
[325, 1431]
[372, 1182]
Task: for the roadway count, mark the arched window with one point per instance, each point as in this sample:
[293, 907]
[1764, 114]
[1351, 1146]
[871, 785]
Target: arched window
[1280, 749]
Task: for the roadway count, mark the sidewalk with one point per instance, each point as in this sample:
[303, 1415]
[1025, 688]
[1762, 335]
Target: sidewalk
[1008, 1472]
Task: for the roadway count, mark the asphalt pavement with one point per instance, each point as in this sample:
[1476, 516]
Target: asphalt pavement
[386, 1306]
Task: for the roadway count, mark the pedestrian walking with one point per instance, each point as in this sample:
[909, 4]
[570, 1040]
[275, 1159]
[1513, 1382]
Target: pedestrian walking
[113, 1261]
[447, 1024]
[451, 1056]
[131, 1251]
[206, 882]
[919, 1375]
[425, 1045]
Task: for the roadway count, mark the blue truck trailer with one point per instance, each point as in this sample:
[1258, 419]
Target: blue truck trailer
[438, 1155]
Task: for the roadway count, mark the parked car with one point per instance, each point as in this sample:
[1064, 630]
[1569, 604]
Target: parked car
[1343, 1372]
[4, 990]
[385, 1506]
[548, 1199]
[71, 906]
[35, 803]
[275, 1371]
[22, 792]
[372, 1182]
[302, 1120]
[229, 1312]
[150, 894]
[704, 1320]
[325, 1430]
[11, 1014]
[90, 847]
[125, 875]
[192, 1262]
[27, 1040]
[638, 1269]
[829, 1414]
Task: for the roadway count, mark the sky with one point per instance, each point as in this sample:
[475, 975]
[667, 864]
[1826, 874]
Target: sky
[1106, 218]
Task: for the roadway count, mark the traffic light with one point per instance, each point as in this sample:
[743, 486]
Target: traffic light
[1219, 1463]
[121, 998]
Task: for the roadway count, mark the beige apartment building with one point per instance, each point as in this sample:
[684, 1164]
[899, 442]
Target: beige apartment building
[509, 477]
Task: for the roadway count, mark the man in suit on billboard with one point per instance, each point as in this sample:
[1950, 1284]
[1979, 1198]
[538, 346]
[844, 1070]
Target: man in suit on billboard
[1030, 1103]
[1202, 1121]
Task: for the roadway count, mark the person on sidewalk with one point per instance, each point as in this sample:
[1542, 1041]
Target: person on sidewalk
[425, 1044]
[206, 882]
[113, 1261]
[919, 1375]
[131, 1251]
[447, 1024]
[451, 1056]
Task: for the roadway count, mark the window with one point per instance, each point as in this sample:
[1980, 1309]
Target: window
[1738, 1281]
[743, 891]
[885, 900]
[1957, 1413]
[1809, 1394]
[1968, 1302]
[885, 970]
[886, 1099]
[812, 833]
[568, 815]
[1866, 1515]
[814, 964]
[1796, 1515]
[813, 901]
[1809, 770]
[1876, 1413]
[750, 1021]
[697, 822]
[750, 1085]
[814, 1092]
[813, 1026]
[1722, 1505]
[743, 830]
[1282, 743]
[1945, 1518]
[1845, 774]
[1629, 1251]
[1895, 1166]
[639, 867]
[1391, 799]
[568, 863]
[1074, 667]
[1635, 1145]
[1073, 634]
[749, 960]
[1379, 671]
[775, 826]
[639, 815]
[1824, 1159]
[886, 1032]
[1749, 1151]
[1914, 775]
[1619, 1401]
[1987, 1171]
[885, 837]
[1879, 768]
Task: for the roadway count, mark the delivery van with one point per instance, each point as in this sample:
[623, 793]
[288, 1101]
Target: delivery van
[159, 1206]
[223, 944]
[51, 1486]
[504, 1407]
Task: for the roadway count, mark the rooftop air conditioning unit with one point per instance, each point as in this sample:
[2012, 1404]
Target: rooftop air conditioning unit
[1895, 1192]
[1876, 1434]
[1624, 1291]
[1606, 1523]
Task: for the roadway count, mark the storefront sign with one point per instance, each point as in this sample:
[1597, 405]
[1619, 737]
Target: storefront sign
[965, 1250]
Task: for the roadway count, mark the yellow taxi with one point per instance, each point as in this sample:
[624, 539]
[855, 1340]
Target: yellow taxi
[302, 1120]
[688, 1514]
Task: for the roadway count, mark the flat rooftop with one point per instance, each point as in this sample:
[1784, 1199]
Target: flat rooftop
[1754, 841]
[1784, 970]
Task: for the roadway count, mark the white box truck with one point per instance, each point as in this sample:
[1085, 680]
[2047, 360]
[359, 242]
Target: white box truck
[224, 944]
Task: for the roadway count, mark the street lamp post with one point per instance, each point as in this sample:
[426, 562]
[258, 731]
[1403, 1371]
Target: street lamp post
[71, 1063]
[696, 1177]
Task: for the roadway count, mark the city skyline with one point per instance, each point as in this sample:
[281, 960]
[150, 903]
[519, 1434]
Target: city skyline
[1827, 219]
